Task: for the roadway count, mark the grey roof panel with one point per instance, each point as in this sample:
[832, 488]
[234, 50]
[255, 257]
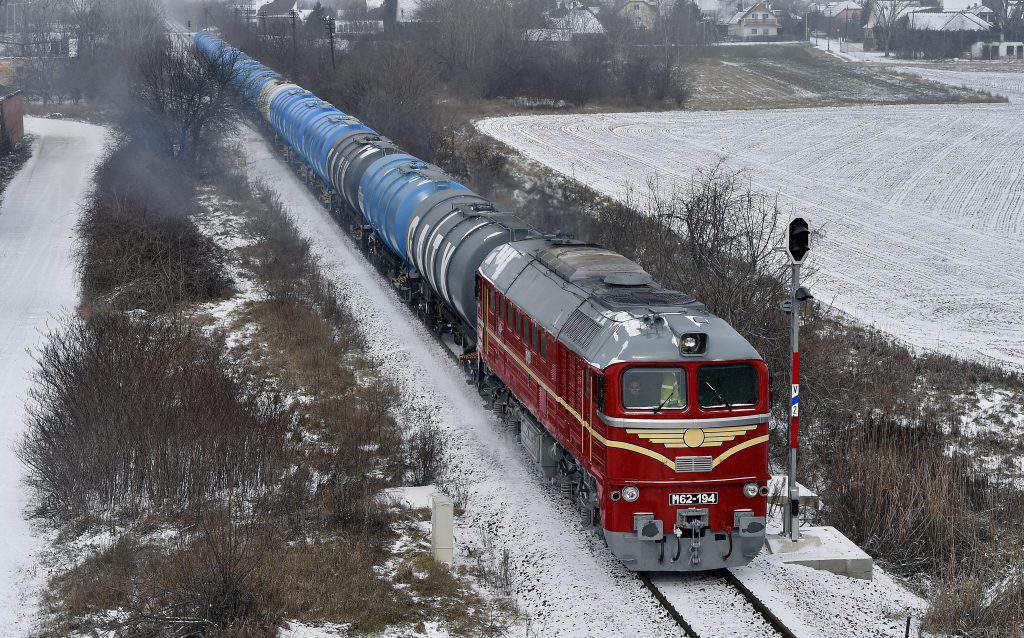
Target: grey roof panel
[563, 286]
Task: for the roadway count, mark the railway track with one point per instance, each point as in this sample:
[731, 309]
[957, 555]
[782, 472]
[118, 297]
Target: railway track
[705, 605]
[713, 605]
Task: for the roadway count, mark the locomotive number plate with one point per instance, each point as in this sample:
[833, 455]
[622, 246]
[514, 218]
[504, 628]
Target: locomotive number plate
[694, 498]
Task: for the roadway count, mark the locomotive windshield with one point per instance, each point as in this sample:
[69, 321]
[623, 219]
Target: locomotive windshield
[726, 385]
[654, 389]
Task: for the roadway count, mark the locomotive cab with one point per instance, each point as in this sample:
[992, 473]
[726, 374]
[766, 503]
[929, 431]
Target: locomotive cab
[699, 500]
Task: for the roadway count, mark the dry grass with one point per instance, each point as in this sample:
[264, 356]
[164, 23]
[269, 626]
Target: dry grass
[799, 76]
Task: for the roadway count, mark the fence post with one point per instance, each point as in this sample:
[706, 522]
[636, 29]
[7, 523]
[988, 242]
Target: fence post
[442, 533]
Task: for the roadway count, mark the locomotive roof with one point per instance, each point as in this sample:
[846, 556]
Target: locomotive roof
[604, 306]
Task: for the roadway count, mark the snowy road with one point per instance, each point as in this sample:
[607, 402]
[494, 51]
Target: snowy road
[922, 206]
[37, 283]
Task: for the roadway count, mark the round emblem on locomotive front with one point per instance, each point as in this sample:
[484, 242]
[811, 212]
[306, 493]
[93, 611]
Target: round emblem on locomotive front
[693, 437]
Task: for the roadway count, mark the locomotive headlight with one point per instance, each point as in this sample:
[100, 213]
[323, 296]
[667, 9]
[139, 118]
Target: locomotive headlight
[631, 493]
[692, 343]
[750, 490]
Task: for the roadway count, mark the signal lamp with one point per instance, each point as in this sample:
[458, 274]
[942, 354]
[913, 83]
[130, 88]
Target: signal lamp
[631, 493]
[750, 490]
[693, 343]
[799, 240]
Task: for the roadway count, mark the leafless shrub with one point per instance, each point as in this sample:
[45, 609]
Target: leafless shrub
[131, 411]
[426, 452]
[138, 246]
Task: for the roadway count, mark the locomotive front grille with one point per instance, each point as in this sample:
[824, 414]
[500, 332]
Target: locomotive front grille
[693, 464]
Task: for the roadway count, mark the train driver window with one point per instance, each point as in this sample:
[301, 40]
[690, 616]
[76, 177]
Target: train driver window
[491, 292]
[726, 385]
[543, 345]
[654, 389]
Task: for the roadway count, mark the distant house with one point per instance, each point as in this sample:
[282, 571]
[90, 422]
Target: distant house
[840, 12]
[983, 12]
[278, 8]
[998, 50]
[12, 125]
[946, 21]
[568, 25]
[757, 22]
[642, 14]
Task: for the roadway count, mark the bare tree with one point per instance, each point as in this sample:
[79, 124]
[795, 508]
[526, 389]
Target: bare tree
[180, 99]
[887, 15]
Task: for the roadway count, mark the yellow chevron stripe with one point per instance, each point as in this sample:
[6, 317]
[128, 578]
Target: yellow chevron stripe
[664, 460]
[757, 440]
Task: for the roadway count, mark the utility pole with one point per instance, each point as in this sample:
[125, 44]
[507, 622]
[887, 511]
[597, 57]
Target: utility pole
[799, 245]
[329, 27]
[294, 15]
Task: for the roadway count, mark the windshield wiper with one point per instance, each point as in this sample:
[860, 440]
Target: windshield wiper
[719, 395]
[674, 392]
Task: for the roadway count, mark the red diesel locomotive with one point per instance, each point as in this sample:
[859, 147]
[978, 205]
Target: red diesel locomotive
[645, 408]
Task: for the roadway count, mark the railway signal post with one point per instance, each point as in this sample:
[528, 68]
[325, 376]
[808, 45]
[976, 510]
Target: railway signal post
[797, 247]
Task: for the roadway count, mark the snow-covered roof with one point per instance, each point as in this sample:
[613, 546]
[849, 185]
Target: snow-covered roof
[580, 21]
[833, 9]
[948, 21]
[973, 6]
[406, 10]
[277, 7]
[739, 15]
[884, 8]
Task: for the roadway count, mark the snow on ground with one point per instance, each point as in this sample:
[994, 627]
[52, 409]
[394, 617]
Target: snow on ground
[37, 283]
[922, 206]
[564, 577]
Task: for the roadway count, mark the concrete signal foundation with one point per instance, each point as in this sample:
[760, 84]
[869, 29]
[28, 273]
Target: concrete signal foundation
[823, 548]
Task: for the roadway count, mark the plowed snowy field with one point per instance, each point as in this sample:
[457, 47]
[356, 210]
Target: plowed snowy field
[922, 206]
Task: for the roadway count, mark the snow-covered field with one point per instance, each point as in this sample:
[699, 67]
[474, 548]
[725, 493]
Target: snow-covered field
[37, 283]
[922, 206]
[563, 577]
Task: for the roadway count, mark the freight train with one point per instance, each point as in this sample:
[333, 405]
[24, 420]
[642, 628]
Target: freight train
[647, 410]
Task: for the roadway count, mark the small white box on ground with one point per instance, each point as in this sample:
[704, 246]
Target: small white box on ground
[823, 548]
[442, 529]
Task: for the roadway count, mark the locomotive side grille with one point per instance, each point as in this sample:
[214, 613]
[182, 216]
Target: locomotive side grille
[648, 298]
[693, 464]
[580, 329]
